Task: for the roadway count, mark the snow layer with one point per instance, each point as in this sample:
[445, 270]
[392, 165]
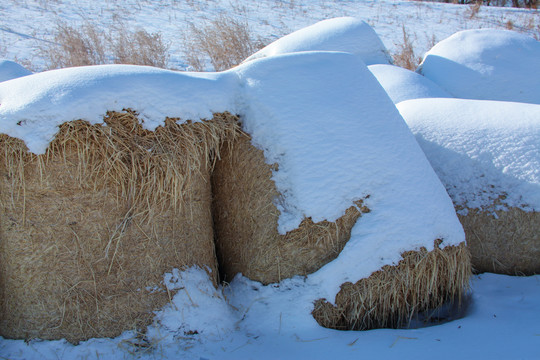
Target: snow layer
[32, 107]
[480, 149]
[11, 70]
[345, 34]
[486, 64]
[402, 84]
[501, 322]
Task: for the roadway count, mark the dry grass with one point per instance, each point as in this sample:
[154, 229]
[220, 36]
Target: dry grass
[508, 243]
[406, 56]
[89, 228]
[87, 45]
[394, 295]
[225, 41]
[245, 220]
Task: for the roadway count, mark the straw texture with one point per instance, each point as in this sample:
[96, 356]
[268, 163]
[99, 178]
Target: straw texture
[89, 228]
[393, 296]
[503, 242]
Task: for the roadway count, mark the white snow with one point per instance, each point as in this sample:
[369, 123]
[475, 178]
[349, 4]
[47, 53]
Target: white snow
[339, 34]
[402, 84]
[480, 149]
[11, 70]
[486, 64]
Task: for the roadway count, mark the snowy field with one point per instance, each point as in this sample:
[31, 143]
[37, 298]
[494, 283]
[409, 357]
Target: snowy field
[500, 319]
[26, 26]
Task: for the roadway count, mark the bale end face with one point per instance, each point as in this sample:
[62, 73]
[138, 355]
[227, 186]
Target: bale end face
[394, 295]
[503, 242]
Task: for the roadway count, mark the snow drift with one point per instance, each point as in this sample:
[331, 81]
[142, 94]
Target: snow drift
[486, 64]
[339, 34]
[402, 84]
[11, 70]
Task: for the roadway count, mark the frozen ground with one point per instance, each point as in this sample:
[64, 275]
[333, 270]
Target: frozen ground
[28, 25]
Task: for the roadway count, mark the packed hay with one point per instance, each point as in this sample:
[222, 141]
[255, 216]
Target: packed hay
[503, 241]
[245, 221]
[393, 296]
[89, 228]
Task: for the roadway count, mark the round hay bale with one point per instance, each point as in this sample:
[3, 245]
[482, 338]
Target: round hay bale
[390, 298]
[246, 221]
[487, 155]
[89, 228]
[247, 242]
[503, 241]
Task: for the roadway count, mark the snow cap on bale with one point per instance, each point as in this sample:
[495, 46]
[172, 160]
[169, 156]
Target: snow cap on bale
[11, 70]
[345, 34]
[402, 84]
[34, 106]
[331, 137]
[486, 64]
[487, 154]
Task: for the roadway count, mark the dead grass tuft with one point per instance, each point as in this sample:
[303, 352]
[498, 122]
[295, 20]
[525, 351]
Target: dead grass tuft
[87, 45]
[394, 295]
[225, 41]
[406, 56]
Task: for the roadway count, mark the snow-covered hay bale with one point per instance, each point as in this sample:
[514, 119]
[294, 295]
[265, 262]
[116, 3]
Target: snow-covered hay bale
[486, 64]
[11, 70]
[90, 227]
[91, 224]
[345, 34]
[402, 84]
[319, 190]
[487, 154]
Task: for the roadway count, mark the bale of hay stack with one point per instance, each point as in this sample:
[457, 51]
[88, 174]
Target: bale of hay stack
[89, 228]
[248, 242]
[331, 186]
[487, 154]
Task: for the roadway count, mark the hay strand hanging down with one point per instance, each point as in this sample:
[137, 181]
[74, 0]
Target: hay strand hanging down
[391, 297]
[89, 227]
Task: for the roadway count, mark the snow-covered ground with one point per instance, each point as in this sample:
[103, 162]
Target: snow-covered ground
[501, 319]
[28, 25]
[500, 322]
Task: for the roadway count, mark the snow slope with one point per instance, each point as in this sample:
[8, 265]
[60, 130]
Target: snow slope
[339, 34]
[11, 70]
[480, 149]
[486, 64]
[402, 84]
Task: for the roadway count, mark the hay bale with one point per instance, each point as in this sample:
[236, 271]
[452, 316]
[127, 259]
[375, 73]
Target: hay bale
[503, 241]
[247, 242]
[89, 227]
[391, 297]
[245, 220]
